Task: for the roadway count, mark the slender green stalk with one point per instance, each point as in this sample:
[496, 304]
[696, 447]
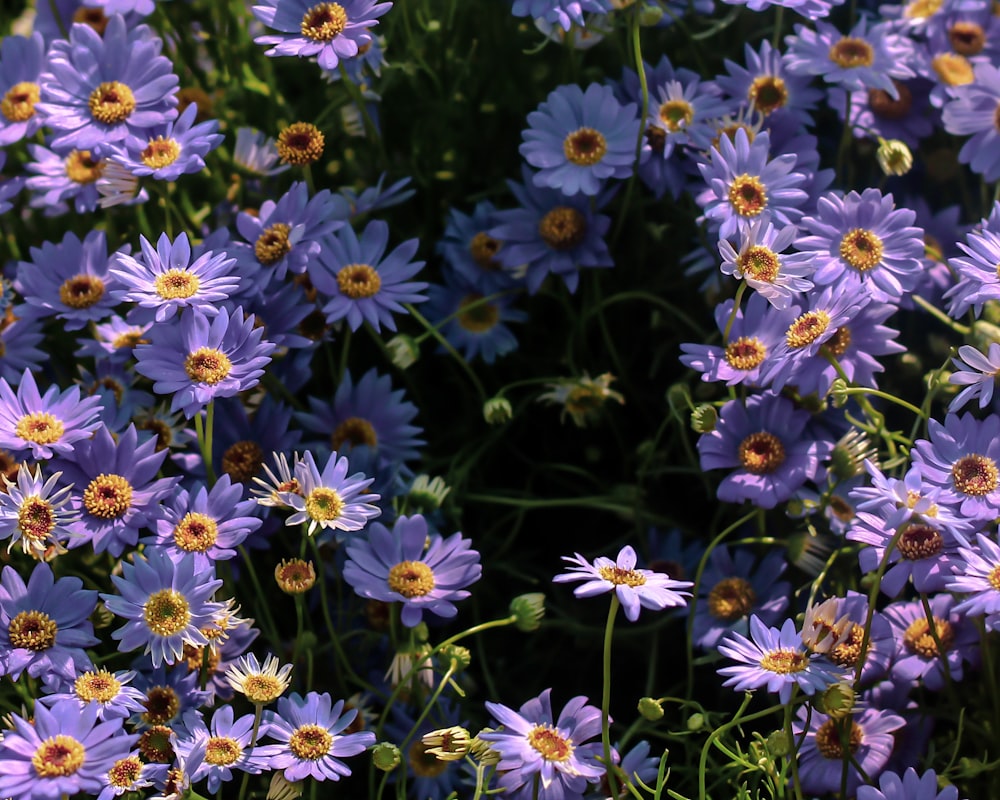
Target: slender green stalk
[609, 628]
[258, 710]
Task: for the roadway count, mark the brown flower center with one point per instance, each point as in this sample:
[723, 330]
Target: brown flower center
[101, 686]
[108, 496]
[549, 743]
[36, 518]
[920, 541]
[196, 532]
[324, 22]
[837, 344]
[242, 461]
[484, 249]
[355, 431]
[784, 662]
[423, 763]
[18, 104]
[731, 598]
[745, 353]
[828, 740]
[58, 756]
[768, 93]
[480, 318]
[82, 168]
[975, 475]
[761, 453]
[884, 107]
[92, 18]
[759, 263]
[358, 281]
[221, 751]
[747, 195]
[81, 291]
[807, 329]
[851, 53]
[585, 147]
[166, 612]
[861, 248]
[563, 228]
[310, 742]
[125, 772]
[848, 650]
[162, 704]
[111, 102]
[295, 576]
[967, 38]
[411, 579]
[300, 143]
[154, 745]
[273, 245]
[32, 630]
[919, 640]
[207, 365]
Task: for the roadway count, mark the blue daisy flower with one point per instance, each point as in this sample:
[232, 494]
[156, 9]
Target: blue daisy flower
[111, 692]
[472, 323]
[873, 113]
[166, 152]
[972, 112]
[472, 253]
[910, 787]
[61, 177]
[21, 62]
[226, 744]
[564, 13]
[113, 341]
[978, 281]
[257, 153]
[578, 139]
[19, 340]
[330, 499]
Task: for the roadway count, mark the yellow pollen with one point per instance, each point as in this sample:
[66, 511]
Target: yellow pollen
[108, 496]
[731, 598]
[411, 579]
[848, 650]
[828, 739]
[221, 751]
[310, 742]
[919, 640]
[920, 541]
[484, 248]
[759, 263]
[837, 344]
[480, 319]
[549, 743]
[262, 689]
[82, 168]
[994, 577]
[162, 704]
[622, 577]
[154, 745]
[39, 427]
[58, 757]
[354, 431]
[125, 772]
[747, 195]
[196, 532]
[851, 53]
[32, 630]
[953, 69]
[300, 143]
[166, 612]
[761, 453]
[767, 94]
[207, 365]
[324, 22]
[862, 249]
[111, 103]
[81, 291]
[324, 504]
[358, 281]
[585, 147]
[729, 131]
[784, 662]
[129, 340]
[273, 245]
[36, 518]
[745, 353]
[921, 9]
[975, 475]
[807, 329]
[563, 228]
[967, 38]
[676, 114]
[242, 460]
[101, 686]
[160, 152]
[176, 284]
[18, 104]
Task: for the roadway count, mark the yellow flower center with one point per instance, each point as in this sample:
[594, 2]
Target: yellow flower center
[154, 745]
[861, 248]
[125, 772]
[108, 496]
[355, 431]
[300, 143]
[166, 612]
[262, 689]
[58, 756]
[32, 630]
[310, 742]
[953, 69]
[837, 344]
[411, 579]
[160, 152]
[807, 329]
[622, 577]
[324, 22]
[767, 94]
[101, 686]
[920, 541]
[129, 340]
[324, 504]
[919, 640]
[176, 284]
[221, 751]
[828, 740]
[36, 518]
[81, 291]
[745, 353]
[273, 245]
[731, 598]
[82, 168]
[585, 147]
[563, 228]
[480, 318]
[358, 281]
[549, 743]
[759, 263]
[676, 114]
[18, 104]
[747, 195]
[848, 650]
[162, 704]
[242, 461]
[207, 365]
[920, 9]
[196, 532]
[784, 662]
[851, 53]
[39, 427]
[484, 248]
[975, 475]
[761, 453]
[111, 102]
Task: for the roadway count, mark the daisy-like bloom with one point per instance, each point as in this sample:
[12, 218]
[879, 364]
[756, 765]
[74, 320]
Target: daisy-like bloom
[19, 340]
[279, 482]
[822, 755]
[129, 774]
[113, 341]
[167, 151]
[165, 279]
[564, 13]
[255, 152]
[578, 139]
[551, 233]
[774, 660]
[758, 261]
[330, 500]
[363, 283]
[963, 456]
[44, 625]
[208, 523]
[61, 752]
[97, 90]
[117, 186]
[910, 787]
[33, 512]
[259, 683]
[767, 444]
[328, 31]
[226, 746]
[311, 732]
[300, 143]
[873, 114]
[472, 253]
[48, 424]
[977, 574]
[110, 691]
[61, 177]
[977, 373]
[472, 323]
[21, 61]
[633, 587]
[198, 359]
[69, 280]
[866, 58]
[978, 281]
[534, 743]
[863, 240]
[835, 628]
[166, 605]
[286, 234]
[401, 566]
[917, 653]
[581, 398]
[974, 109]
[745, 183]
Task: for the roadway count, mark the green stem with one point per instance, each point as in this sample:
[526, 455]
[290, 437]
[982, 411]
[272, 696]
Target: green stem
[644, 88]
[609, 764]
[938, 314]
[451, 350]
[257, 714]
[859, 390]
[737, 302]
[325, 605]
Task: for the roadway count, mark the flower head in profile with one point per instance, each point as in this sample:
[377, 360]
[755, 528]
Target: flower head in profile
[330, 499]
[257, 153]
[633, 587]
[33, 511]
[400, 566]
[259, 683]
[583, 397]
[21, 62]
[977, 372]
[972, 110]
[226, 744]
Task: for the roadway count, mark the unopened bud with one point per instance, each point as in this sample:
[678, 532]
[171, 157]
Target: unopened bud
[295, 576]
[456, 655]
[385, 756]
[696, 722]
[447, 744]
[679, 396]
[529, 610]
[838, 393]
[837, 702]
[497, 410]
[703, 418]
[403, 350]
[894, 157]
[283, 789]
[650, 708]
[482, 751]
[650, 15]
[778, 744]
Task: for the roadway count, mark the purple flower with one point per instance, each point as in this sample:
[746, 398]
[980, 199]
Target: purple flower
[534, 743]
[226, 745]
[63, 176]
[874, 114]
[400, 566]
[972, 110]
[329, 31]
[97, 90]
[472, 253]
[977, 373]
[775, 660]
[909, 787]
[313, 742]
[472, 323]
[44, 625]
[564, 13]
[633, 587]
[168, 151]
[109, 691]
[578, 139]
[767, 444]
[975, 572]
[33, 512]
[836, 628]
[978, 281]
[199, 359]
[330, 500]
[757, 261]
[21, 61]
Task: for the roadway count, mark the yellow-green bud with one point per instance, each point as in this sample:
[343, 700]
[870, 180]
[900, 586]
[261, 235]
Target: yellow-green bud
[650, 708]
[838, 393]
[778, 744]
[837, 701]
[696, 722]
[447, 744]
[283, 789]
[403, 350]
[428, 493]
[482, 751]
[497, 410]
[703, 418]
[385, 756]
[650, 15]
[529, 610]
[455, 654]
[679, 396]
[894, 157]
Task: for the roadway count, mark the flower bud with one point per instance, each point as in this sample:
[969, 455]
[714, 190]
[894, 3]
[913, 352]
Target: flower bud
[482, 751]
[283, 789]
[403, 350]
[295, 576]
[837, 702]
[650, 708]
[529, 610]
[650, 15]
[457, 655]
[428, 493]
[679, 396]
[447, 744]
[497, 410]
[838, 393]
[385, 756]
[894, 157]
[696, 722]
[703, 418]
[778, 744]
